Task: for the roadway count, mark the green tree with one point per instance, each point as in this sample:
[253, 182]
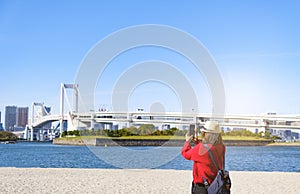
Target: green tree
[156, 133]
[70, 133]
[146, 129]
[125, 132]
[64, 134]
[274, 137]
[114, 133]
[268, 135]
[133, 130]
[84, 132]
[75, 132]
[172, 131]
[7, 136]
[181, 132]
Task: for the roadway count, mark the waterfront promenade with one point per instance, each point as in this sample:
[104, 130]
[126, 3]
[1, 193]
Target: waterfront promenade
[62, 180]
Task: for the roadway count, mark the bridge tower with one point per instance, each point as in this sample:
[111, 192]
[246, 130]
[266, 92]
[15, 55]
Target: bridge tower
[63, 88]
[43, 113]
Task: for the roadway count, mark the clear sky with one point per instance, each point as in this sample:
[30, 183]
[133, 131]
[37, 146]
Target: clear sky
[256, 45]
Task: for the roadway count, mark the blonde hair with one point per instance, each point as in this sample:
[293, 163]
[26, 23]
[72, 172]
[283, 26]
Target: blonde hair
[211, 138]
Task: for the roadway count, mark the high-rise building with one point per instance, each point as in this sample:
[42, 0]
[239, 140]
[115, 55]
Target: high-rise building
[10, 117]
[22, 116]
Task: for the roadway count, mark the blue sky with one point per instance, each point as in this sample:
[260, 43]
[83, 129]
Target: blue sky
[255, 44]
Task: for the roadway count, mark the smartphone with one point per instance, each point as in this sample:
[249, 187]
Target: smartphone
[192, 130]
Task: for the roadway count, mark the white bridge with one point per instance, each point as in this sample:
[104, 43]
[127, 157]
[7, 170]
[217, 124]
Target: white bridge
[90, 120]
[106, 120]
[116, 120]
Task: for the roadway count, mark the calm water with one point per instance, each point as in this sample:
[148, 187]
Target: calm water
[46, 155]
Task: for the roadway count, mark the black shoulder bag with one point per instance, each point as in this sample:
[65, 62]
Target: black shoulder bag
[222, 183]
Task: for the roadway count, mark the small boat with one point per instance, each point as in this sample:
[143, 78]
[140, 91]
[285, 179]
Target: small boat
[9, 142]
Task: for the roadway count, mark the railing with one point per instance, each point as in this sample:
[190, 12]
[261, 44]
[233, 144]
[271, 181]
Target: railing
[253, 121]
[38, 121]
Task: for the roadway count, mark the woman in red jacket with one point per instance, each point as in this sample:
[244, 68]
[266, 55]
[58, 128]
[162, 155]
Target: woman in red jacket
[204, 168]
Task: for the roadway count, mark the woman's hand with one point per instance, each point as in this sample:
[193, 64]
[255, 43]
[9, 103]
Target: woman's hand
[188, 137]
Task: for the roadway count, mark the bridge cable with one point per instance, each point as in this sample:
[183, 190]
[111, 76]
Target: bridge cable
[80, 100]
[68, 102]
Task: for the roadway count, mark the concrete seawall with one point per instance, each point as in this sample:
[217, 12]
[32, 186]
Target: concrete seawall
[148, 142]
[247, 142]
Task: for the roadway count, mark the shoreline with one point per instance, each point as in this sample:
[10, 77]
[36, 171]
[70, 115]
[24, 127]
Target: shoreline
[288, 144]
[147, 142]
[66, 180]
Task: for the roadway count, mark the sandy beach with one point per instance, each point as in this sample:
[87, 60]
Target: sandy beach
[46, 180]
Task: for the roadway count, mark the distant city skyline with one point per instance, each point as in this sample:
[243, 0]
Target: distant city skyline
[22, 116]
[10, 118]
[15, 117]
[255, 45]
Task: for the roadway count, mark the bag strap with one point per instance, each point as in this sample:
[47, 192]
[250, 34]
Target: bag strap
[211, 156]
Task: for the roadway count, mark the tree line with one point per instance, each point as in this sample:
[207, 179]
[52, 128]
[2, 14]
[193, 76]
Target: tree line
[247, 133]
[149, 130]
[7, 136]
[143, 130]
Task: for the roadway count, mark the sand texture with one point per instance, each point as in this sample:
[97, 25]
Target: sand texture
[45, 180]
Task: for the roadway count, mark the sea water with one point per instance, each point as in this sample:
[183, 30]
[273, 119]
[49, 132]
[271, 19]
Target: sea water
[47, 155]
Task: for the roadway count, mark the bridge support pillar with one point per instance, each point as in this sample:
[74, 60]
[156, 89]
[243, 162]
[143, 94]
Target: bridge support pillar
[266, 125]
[32, 120]
[92, 122]
[62, 96]
[42, 134]
[110, 126]
[26, 132]
[50, 134]
[102, 126]
[32, 133]
[129, 119]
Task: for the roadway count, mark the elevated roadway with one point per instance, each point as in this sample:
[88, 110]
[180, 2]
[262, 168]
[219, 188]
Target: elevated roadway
[88, 119]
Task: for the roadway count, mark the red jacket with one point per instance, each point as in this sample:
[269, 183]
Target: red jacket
[203, 164]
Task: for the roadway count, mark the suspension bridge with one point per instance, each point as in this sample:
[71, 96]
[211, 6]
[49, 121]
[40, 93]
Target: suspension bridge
[115, 120]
